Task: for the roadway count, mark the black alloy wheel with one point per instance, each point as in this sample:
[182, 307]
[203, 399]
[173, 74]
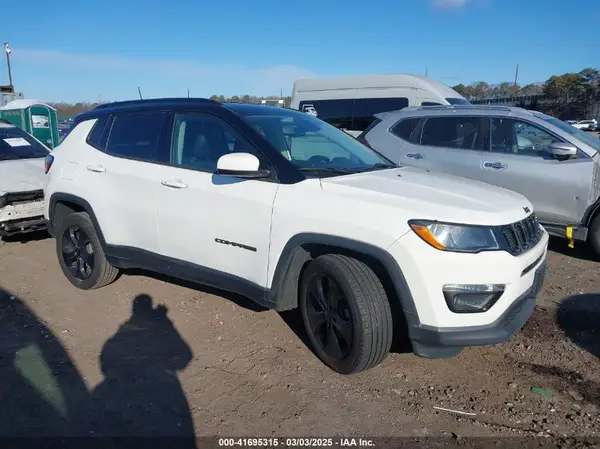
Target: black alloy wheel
[78, 253]
[329, 316]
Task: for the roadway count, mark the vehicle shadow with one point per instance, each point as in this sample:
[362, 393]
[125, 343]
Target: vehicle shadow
[581, 250]
[578, 317]
[41, 391]
[26, 237]
[239, 300]
[43, 394]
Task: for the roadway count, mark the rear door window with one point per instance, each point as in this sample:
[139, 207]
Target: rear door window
[137, 135]
[453, 132]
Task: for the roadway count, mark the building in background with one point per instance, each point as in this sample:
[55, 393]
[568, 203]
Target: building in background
[8, 94]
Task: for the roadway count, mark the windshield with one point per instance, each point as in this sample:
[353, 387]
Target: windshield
[586, 138]
[17, 144]
[458, 101]
[313, 145]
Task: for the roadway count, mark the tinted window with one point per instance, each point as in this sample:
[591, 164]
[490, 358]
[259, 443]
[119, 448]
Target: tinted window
[98, 134]
[430, 103]
[453, 132]
[199, 141]
[17, 144]
[457, 101]
[136, 136]
[335, 112]
[366, 108]
[351, 115]
[517, 137]
[407, 129]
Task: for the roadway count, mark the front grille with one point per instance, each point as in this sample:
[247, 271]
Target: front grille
[522, 235]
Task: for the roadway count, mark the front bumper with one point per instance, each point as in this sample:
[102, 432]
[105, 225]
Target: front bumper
[437, 331]
[22, 226]
[433, 342]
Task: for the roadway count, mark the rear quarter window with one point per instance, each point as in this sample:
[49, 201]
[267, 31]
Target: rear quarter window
[407, 129]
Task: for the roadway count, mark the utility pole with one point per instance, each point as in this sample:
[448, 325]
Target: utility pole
[7, 50]
[426, 71]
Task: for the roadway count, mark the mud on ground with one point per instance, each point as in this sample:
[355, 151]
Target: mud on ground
[153, 356]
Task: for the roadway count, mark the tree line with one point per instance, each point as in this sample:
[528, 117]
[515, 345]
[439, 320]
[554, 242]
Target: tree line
[570, 95]
[567, 96]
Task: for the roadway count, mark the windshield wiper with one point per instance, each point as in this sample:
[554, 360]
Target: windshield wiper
[379, 166]
[334, 170]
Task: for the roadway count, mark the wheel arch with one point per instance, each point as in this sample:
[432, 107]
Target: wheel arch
[302, 248]
[63, 204]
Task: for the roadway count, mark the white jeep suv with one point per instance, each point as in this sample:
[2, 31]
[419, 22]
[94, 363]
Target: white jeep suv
[291, 212]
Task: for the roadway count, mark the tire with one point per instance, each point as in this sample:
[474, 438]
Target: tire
[366, 310]
[97, 272]
[593, 237]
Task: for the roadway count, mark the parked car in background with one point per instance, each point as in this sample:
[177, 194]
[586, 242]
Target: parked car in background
[21, 181]
[555, 165]
[287, 210]
[571, 122]
[587, 125]
[349, 103]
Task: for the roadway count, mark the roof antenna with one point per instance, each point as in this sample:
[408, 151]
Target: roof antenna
[188, 92]
[140, 93]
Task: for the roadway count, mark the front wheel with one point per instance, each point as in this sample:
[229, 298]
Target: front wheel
[346, 313]
[80, 253]
[593, 237]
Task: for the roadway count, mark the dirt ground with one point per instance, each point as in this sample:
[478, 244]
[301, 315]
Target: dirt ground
[153, 356]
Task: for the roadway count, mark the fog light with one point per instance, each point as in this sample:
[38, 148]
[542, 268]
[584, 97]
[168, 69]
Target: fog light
[472, 298]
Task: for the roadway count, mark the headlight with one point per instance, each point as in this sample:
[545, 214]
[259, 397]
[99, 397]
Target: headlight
[455, 237]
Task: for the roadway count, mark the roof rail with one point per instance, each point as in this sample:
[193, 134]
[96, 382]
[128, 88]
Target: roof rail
[150, 101]
[469, 106]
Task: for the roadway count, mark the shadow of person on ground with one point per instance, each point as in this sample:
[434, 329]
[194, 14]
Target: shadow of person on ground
[41, 391]
[141, 395]
[578, 317]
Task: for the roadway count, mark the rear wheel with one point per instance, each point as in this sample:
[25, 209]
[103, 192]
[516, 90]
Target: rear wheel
[346, 313]
[80, 253]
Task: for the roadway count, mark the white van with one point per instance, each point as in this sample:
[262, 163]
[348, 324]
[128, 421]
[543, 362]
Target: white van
[350, 103]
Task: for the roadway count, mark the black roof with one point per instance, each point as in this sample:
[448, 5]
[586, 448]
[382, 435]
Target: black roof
[156, 102]
[152, 103]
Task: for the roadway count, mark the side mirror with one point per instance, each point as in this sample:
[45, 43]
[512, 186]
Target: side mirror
[241, 165]
[562, 150]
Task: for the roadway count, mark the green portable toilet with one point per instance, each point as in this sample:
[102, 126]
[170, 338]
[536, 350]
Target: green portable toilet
[34, 117]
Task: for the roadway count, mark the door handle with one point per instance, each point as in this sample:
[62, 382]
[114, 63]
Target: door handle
[495, 165]
[96, 168]
[415, 155]
[174, 184]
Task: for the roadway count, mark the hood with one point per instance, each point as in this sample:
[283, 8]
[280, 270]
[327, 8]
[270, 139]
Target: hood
[433, 196]
[22, 175]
